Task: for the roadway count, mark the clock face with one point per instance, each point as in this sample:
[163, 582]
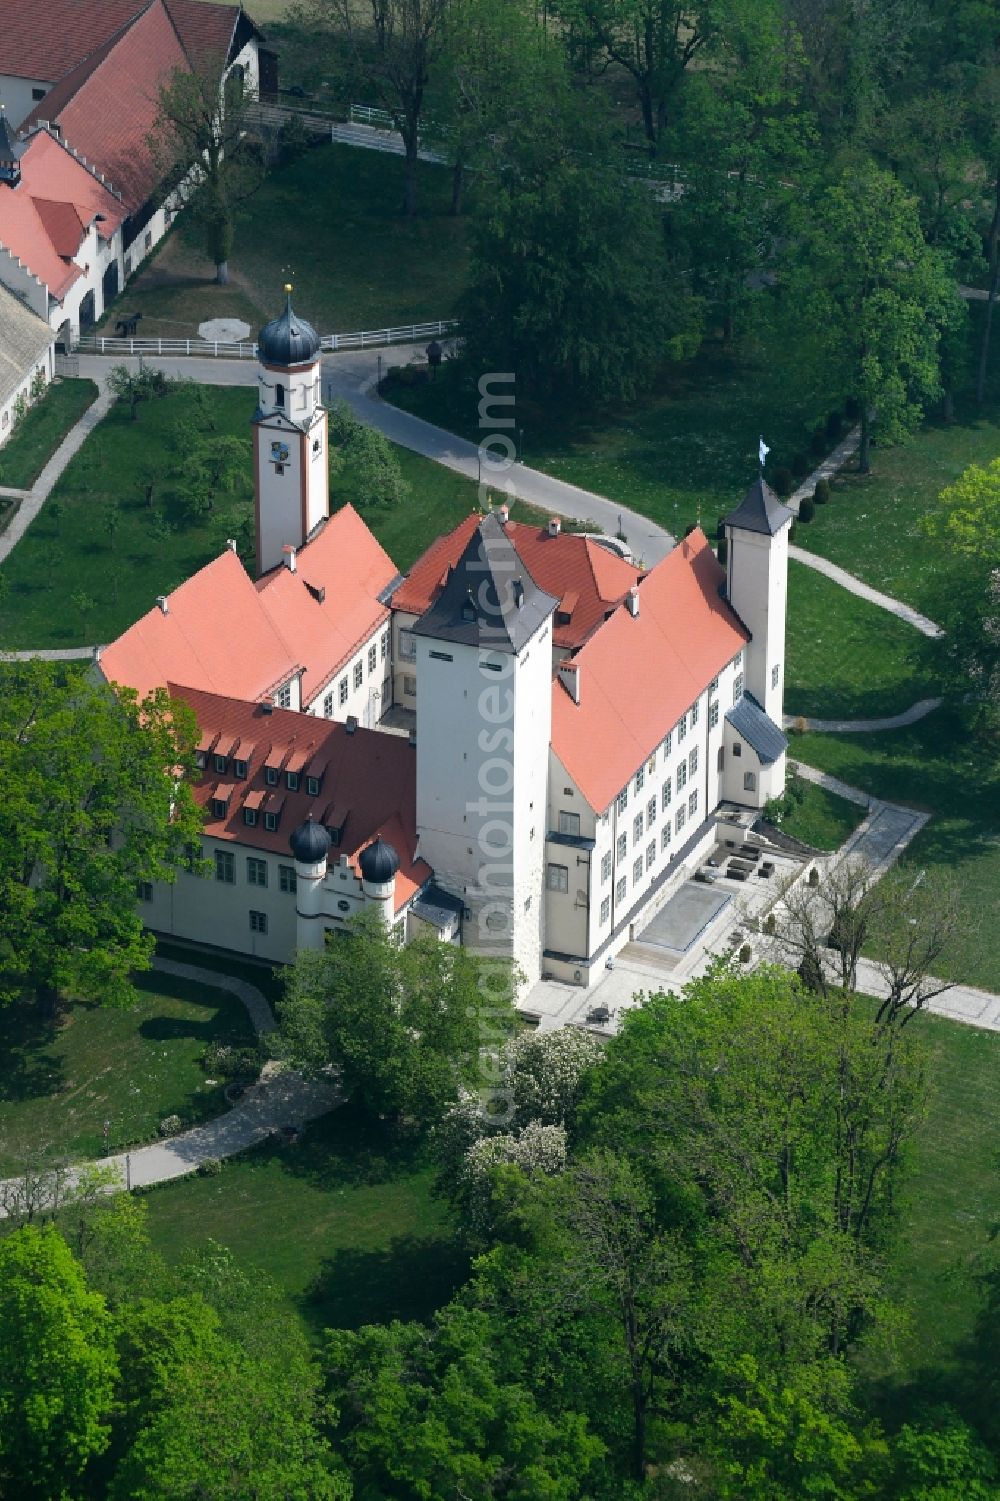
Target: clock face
[279, 453]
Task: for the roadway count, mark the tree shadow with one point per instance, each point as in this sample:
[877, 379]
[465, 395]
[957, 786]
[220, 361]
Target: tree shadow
[408, 1279]
[349, 1148]
[30, 1069]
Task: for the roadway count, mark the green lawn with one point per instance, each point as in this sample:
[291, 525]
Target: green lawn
[343, 1221]
[354, 261]
[821, 818]
[59, 1081]
[948, 1212]
[848, 659]
[872, 528]
[42, 429]
[947, 766]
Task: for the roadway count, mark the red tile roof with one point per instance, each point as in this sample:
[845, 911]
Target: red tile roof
[44, 218]
[638, 675]
[74, 29]
[215, 636]
[107, 106]
[371, 777]
[346, 564]
[587, 580]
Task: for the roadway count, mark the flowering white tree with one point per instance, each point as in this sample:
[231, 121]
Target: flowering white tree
[534, 1150]
[543, 1073]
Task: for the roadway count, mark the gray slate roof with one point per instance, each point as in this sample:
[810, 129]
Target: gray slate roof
[490, 600]
[757, 728]
[24, 338]
[760, 510]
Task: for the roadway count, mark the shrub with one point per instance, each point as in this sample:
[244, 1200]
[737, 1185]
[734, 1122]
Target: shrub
[781, 481]
[170, 1125]
[228, 1062]
[813, 876]
[821, 494]
[745, 954]
[806, 510]
[770, 923]
[722, 550]
[791, 532]
[720, 527]
[800, 466]
[834, 426]
[818, 443]
[852, 409]
[210, 1168]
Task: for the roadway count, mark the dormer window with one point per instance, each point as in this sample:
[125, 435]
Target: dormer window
[240, 769]
[220, 807]
[312, 786]
[292, 781]
[250, 817]
[271, 821]
[219, 762]
[200, 760]
[468, 609]
[271, 776]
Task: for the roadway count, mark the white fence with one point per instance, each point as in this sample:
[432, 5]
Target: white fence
[371, 338]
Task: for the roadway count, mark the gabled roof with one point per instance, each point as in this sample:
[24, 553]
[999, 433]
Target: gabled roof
[24, 338]
[490, 599]
[215, 636]
[760, 510]
[584, 577]
[639, 674]
[345, 564]
[758, 729]
[37, 218]
[107, 106]
[370, 775]
[74, 29]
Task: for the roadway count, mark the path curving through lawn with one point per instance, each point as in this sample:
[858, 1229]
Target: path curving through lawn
[280, 1100]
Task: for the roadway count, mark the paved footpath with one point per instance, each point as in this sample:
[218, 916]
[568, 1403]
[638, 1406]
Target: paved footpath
[40, 490]
[280, 1100]
[919, 710]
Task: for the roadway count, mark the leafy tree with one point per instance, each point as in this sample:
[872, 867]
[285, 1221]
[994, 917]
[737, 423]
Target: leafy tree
[204, 1421]
[571, 286]
[59, 1369]
[364, 460]
[211, 466]
[869, 299]
[402, 1026]
[777, 1440]
[137, 386]
[391, 49]
[655, 42]
[942, 1460]
[204, 148]
[970, 514]
[92, 806]
[425, 1413]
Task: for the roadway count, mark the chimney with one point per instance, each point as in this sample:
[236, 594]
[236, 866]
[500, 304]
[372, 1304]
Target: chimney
[351, 723]
[632, 600]
[161, 600]
[555, 526]
[289, 555]
[569, 676]
[518, 591]
[231, 543]
[502, 513]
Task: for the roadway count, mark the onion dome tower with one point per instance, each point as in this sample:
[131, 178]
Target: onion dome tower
[291, 473]
[379, 863]
[310, 845]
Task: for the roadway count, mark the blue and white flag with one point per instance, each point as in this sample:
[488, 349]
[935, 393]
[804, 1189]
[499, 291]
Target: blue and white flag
[764, 451]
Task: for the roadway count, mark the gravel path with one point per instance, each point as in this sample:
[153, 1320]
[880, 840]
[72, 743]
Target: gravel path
[42, 488]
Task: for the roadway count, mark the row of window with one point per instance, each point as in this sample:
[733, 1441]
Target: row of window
[225, 871]
[376, 653]
[557, 876]
[687, 721]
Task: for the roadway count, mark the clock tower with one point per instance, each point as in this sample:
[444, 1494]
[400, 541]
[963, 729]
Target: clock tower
[291, 466]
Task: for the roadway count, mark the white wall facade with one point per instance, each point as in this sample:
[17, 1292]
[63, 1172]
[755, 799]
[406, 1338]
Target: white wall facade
[212, 911]
[361, 686]
[757, 589]
[45, 367]
[291, 463]
[483, 734]
[20, 95]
